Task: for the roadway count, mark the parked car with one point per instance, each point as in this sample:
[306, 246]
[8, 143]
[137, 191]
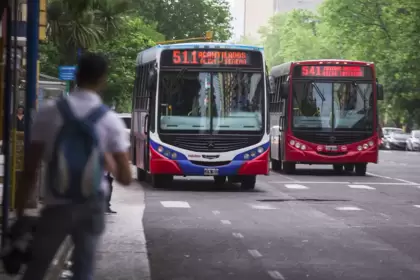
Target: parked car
[396, 141]
[413, 143]
[386, 133]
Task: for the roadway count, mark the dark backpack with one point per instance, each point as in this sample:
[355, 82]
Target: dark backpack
[76, 168]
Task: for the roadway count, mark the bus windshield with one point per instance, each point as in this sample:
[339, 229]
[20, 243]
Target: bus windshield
[339, 106]
[211, 101]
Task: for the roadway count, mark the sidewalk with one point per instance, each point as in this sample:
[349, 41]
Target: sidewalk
[123, 253]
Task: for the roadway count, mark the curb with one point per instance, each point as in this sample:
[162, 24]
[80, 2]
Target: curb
[60, 259]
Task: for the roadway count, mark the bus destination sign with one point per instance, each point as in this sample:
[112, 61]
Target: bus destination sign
[210, 57]
[332, 71]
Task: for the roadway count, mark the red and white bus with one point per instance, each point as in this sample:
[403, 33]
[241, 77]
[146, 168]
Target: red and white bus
[200, 109]
[324, 112]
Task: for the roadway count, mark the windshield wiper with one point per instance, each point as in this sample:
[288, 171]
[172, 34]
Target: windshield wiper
[318, 91]
[359, 91]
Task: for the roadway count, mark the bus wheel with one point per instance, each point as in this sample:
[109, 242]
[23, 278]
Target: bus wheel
[219, 180]
[275, 165]
[233, 179]
[141, 175]
[338, 168]
[289, 167]
[361, 169]
[248, 182]
[349, 167]
[161, 181]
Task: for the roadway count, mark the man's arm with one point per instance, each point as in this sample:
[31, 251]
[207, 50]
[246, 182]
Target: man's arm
[118, 144]
[40, 132]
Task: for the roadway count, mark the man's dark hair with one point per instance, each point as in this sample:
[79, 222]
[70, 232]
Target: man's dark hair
[91, 68]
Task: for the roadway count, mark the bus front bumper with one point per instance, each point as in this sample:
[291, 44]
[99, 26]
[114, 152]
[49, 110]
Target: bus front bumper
[184, 167]
[313, 157]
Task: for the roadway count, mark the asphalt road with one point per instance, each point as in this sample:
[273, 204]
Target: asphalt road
[312, 225]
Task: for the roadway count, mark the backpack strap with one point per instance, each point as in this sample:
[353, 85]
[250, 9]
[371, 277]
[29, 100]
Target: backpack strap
[65, 110]
[97, 113]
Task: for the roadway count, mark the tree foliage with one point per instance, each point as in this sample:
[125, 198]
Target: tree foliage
[180, 19]
[122, 51]
[382, 31]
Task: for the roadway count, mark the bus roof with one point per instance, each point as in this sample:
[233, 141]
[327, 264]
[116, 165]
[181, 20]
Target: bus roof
[151, 54]
[284, 69]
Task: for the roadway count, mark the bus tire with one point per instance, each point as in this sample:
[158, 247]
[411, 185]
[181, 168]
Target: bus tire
[141, 175]
[349, 167]
[361, 169]
[219, 180]
[338, 168]
[289, 167]
[160, 181]
[248, 182]
[275, 165]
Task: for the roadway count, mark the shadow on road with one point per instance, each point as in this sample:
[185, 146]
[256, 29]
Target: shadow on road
[201, 185]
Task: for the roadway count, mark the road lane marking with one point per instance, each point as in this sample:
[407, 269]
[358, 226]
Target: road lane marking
[215, 212]
[361, 187]
[296, 186]
[255, 253]
[175, 204]
[226, 222]
[348, 208]
[263, 207]
[346, 183]
[417, 206]
[276, 275]
[237, 235]
[396, 179]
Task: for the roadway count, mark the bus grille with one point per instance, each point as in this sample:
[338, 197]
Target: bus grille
[335, 138]
[210, 143]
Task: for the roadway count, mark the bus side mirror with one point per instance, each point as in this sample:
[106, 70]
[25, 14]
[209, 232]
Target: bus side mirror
[379, 92]
[284, 90]
[151, 80]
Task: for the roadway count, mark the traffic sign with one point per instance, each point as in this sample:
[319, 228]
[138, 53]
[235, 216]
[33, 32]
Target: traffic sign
[66, 73]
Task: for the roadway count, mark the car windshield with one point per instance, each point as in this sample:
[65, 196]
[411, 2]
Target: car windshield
[388, 131]
[127, 121]
[345, 106]
[211, 101]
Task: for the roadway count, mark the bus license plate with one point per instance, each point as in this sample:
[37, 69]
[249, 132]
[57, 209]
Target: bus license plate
[211, 171]
[331, 148]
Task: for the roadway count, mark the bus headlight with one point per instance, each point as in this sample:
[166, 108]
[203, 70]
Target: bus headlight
[160, 149]
[167, 153]
[246, 156]
[303, 147]
[292, 142]
[253, 154]
[359, 148]
[365, 146]
[297, 145]
[370, 143]
[260, 150]
[173, 155]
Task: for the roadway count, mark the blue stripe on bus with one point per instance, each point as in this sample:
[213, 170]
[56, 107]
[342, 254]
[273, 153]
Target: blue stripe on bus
[189, 168]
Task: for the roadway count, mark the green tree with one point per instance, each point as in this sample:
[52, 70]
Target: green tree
[82, 24]
[188, 18]
[122, 50]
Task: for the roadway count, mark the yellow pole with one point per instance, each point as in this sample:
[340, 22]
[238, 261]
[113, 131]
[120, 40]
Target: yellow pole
[2, 66]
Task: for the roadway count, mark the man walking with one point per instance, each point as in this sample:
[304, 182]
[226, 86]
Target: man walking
[79, 139]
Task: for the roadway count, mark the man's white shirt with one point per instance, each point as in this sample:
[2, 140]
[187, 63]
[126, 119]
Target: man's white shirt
[110, 128]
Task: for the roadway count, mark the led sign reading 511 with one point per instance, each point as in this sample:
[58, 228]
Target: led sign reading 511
[210, 57]
[332, 71]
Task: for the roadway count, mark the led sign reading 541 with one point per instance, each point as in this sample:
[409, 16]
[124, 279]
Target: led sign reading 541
[210, 57]
[332, 71]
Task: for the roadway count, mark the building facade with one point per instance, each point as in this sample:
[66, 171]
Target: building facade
[251, 15]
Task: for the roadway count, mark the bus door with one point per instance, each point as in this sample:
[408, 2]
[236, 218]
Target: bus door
[147, 117]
